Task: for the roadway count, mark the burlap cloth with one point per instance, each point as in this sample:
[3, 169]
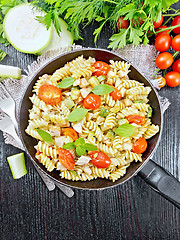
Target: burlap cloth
[141, 57]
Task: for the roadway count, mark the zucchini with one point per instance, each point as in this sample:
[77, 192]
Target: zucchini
[93, 81]
[110, 134]
[10, 72]
[17, 165]
[24, 32]
[69, 102]
[102, 78]
[103, 112]
[139, 101]
[122, 121]
[149, 114]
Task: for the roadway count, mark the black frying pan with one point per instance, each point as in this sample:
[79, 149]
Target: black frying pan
[161, 181]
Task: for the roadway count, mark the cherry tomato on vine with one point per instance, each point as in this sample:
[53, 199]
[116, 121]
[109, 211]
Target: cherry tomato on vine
[176, 66]
[99, 159]
[138, 22]
[50, 94]
[66, 158]
[164, 60]
[161, 82]
[121, 23]
[163, 42]
[102, 68]
[172, 79]
[116, 95]
[164, 32]
[139, 120]
[92, 101]
[140, 145]
[175, 22]
[70, 132]
[176, 43]
[159, 22]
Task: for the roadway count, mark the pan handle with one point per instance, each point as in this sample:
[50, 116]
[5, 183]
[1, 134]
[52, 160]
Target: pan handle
[161, 181]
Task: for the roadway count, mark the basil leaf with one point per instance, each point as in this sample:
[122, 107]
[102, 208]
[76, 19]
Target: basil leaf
[102, 89]
[45, 135]
[80, 150]
[90, 147]
[79, 141]
[77, 114]
[66, 82]
[125, 130]
[69, 145]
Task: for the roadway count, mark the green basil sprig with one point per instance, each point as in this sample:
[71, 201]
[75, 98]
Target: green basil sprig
[77, 114]
[125, 130]
[66, 82]
[45, 135]
[81, 146]
[102, 89]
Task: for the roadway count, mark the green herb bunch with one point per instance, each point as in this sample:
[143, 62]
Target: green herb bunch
[80, 13]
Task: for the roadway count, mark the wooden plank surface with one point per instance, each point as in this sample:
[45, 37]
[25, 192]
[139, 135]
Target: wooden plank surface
[131, 211]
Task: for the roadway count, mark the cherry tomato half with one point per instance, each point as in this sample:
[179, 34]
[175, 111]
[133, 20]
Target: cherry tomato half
[92, 101]
[140, 146]
[66, 158]
[50, 94]
[163, 42]
[164, 32]
[175, 22]
[116, 95]
[176, 66]
[159, 22]
[172, 79]
[70, 132]
[164, 60]
[99, 159]
[121, 23]
[140, 120]
[102, 68]
[176, 43]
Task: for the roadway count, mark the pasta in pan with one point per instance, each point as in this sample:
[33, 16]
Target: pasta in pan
[110, 134]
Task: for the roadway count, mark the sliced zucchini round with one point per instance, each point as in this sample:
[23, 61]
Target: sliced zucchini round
[64, 40]
[23, 31]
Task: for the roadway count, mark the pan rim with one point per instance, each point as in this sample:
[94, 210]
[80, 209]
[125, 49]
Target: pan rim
[136, 68]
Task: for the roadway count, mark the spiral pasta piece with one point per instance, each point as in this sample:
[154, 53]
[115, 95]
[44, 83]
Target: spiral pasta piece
[33, 133]
[39, 103]
[46, 149]
[151, 131]
[106, 149]
[37, 123]
[130, 156]
[131, 83]
[100, 172]
[118, 173]
[46, 161]
[60, 74]
[94, 127]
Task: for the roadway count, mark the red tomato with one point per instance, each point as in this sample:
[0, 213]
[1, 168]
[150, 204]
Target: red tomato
[172, 79]
[176, 43]
[50, 94]
[140, 120]
[99, 159]
[176, 66]
[164, 32]
[164, 60]
[140, 145]
[70, 132]
[175, 22]
[102, 68]
[92, 101]
[121, 23]
[116, 95]
[66, 158]
[163, 42]
[159, 22]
